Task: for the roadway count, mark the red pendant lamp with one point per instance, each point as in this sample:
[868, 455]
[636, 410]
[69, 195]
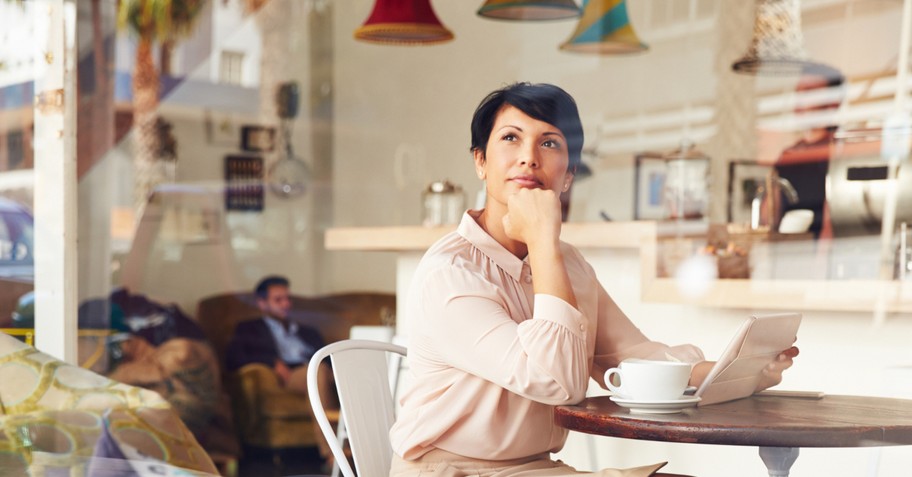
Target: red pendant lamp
[403, 22]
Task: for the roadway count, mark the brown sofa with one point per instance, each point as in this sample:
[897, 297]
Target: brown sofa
[269, 417]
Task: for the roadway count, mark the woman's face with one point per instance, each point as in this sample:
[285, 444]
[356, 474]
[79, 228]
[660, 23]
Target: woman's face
[522, 153]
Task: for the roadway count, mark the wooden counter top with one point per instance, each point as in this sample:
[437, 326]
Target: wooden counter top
[797, 295]
[419, 238]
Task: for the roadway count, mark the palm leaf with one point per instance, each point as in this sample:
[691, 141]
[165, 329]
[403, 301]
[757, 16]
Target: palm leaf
[160, 20]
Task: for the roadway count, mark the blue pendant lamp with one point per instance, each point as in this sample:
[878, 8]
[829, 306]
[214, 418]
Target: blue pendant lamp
[529, 10]
[604, 28]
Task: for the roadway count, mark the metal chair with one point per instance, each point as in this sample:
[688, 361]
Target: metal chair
[384, 334]
[364, 383]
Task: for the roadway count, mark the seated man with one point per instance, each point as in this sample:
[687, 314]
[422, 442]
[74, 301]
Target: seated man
[276, 346]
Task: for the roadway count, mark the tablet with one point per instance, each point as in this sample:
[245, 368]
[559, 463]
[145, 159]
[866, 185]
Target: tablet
[738, 371]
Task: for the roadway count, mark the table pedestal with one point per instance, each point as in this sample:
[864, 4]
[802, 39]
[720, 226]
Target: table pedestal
[778, 460]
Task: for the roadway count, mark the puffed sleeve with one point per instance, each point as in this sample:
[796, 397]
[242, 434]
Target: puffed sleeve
[617, 339]
[469, 322]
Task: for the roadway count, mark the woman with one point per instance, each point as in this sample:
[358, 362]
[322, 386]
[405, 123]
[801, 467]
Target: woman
[491, 349]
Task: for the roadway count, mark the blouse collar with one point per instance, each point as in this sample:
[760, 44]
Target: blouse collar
[474, 234]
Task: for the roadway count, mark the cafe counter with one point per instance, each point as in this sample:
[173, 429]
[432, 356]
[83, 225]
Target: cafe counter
[604, 242]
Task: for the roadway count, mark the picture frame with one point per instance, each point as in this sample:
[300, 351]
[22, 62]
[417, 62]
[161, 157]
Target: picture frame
[649, 185]
[258, 138]
[745, 176]
[222, 129]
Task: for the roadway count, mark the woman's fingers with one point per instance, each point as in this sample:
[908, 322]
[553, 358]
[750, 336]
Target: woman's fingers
[532, 213]
[772, 373]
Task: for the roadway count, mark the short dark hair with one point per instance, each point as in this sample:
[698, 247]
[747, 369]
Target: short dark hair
[830, 75]
[541, 101]
[262, 288]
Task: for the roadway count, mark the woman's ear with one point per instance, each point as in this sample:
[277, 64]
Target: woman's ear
[479, 158]
[568, 180]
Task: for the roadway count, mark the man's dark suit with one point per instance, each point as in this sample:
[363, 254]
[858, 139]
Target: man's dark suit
[253, 343]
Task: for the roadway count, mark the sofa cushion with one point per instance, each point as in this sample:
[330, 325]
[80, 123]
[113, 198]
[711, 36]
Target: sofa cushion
[52, 414]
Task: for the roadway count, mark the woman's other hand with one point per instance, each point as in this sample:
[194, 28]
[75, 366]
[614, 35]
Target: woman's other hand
[533, 215]
[772, 374]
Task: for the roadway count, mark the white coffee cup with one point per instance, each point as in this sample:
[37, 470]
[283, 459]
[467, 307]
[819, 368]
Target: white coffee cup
[646, 380]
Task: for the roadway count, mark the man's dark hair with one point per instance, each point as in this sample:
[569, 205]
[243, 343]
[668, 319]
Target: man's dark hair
[544, 102]
[262, 288]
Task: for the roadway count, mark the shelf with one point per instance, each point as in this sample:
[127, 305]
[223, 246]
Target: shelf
[419, 238]
[797, 295]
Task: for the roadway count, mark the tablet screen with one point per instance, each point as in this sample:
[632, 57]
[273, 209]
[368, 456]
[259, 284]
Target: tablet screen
[738, 371]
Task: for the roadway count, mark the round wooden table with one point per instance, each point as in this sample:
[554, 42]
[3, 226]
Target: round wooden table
[778, 425]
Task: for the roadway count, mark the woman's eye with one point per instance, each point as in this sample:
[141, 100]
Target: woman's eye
[509, 137]
[551, 144]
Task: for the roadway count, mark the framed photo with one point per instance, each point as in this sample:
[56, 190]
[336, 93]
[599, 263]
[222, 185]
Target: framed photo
[744, 179]
[649, 186]
[258, 138]
[222, 129]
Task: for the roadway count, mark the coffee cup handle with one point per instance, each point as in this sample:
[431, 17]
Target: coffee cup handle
[608, 375]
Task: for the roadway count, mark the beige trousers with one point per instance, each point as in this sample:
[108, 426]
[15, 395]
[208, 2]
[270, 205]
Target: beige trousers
[438, 463]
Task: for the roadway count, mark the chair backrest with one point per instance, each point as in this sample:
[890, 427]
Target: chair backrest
[361, 371]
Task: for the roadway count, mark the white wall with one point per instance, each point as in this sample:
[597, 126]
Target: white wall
[415, 103]
[401, 116]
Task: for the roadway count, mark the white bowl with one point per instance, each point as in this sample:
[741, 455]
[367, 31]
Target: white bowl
[796, 221]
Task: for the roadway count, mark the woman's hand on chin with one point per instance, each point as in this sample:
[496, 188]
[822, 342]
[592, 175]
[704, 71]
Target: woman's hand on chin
[533, 215]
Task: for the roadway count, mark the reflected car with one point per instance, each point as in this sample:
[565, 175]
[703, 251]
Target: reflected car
[16, 241]
[17, 257]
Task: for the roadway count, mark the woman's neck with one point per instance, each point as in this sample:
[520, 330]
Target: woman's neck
[491, 220]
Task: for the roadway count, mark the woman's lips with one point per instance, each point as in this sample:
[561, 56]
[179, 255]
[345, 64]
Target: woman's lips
[526, 181]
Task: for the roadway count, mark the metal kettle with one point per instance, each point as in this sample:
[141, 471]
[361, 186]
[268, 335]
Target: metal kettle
[766, 209]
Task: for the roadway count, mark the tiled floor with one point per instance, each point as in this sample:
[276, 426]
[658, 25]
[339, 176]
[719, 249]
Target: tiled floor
[287, 462]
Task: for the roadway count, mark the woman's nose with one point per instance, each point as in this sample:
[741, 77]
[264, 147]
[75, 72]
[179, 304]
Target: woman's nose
[530, 157]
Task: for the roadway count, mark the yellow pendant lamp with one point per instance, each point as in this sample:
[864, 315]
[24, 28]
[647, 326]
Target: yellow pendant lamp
[529, 10]
[403, 22]
[604, 28]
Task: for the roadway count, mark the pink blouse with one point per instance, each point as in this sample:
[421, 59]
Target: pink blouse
[489, 358]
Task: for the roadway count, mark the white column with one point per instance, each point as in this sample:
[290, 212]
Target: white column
[55, 178]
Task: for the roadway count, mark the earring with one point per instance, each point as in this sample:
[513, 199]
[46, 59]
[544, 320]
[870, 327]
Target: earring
[566, 186]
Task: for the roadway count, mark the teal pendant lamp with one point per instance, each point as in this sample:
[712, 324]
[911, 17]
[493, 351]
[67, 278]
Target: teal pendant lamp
[604, 28]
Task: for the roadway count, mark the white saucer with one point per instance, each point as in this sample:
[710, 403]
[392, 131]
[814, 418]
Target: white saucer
[671, 406]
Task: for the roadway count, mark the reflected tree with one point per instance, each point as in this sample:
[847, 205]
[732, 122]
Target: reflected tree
[161, 22]
[273, 20]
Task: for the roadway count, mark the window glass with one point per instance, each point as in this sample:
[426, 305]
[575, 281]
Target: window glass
[222, 150]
